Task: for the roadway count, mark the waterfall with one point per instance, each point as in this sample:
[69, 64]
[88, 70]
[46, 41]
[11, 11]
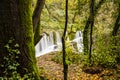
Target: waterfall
[58, 38]
[50, 39]
[47, 44]
[79, 40]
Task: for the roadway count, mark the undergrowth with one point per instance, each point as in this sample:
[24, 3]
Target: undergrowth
[10, 63]
[98, 59]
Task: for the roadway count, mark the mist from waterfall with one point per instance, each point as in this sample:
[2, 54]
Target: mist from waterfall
[52, 42]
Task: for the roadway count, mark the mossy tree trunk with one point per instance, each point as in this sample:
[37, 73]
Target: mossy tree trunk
[117, 23]
[115, 36]
[92, 2]
[16, 22]
[87, 25]
[36, 20]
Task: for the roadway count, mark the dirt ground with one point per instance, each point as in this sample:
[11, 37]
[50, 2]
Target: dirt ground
[54, 71]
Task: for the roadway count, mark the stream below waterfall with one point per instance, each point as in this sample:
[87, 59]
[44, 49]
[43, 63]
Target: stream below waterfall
[52, 42]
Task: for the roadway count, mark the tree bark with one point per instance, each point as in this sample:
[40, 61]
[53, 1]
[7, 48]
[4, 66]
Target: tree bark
[88, 23]
[117, 23]
[36, 20]
[6, 21]
[16, 22]
[91, 27]
[115, 34]
[37, 13]
[65, 65]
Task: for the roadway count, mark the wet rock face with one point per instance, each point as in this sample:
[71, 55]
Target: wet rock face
[55, 47]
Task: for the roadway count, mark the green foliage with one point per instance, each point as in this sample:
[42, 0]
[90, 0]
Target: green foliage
[58, 57]
[10, 63]
[28, 77]
[104, 60]
[103, 54]
[54, 12]
[71, 57]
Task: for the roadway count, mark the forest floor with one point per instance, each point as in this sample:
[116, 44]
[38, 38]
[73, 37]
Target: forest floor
[54, 71]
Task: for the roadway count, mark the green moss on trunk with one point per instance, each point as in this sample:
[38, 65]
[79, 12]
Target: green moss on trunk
[27, 41]
[16, 22]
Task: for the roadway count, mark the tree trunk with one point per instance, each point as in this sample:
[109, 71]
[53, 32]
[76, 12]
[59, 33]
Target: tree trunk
[36, 20]
[91, 28]
[117, 23]
[115, 34]
[37, 13]
[65, 65]
[86, 29]
[16, 22]
[85, 36]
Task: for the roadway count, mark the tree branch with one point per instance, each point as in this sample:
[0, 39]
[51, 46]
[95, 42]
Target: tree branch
[37, 13]
[36, 20]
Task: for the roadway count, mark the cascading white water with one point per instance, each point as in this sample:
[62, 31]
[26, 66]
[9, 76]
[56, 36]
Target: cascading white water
[46, 44]
[58, 38]
[79, 40]
[50, 41]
